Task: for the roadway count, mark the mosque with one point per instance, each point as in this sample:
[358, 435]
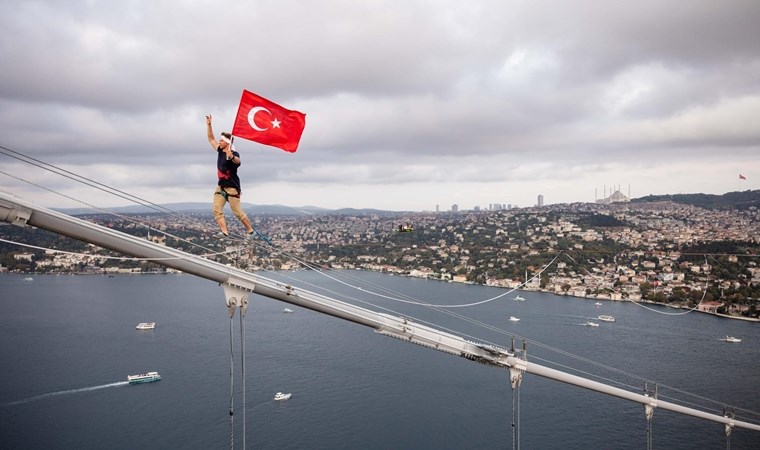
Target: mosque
[615, 197]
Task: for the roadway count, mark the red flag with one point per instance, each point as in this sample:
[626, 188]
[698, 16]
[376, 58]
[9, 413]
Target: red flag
[742, 177]
[268, 123]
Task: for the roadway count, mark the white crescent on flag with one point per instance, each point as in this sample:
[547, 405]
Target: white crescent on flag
[252, 115]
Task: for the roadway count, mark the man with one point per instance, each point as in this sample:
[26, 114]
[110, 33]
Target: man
[228, 187]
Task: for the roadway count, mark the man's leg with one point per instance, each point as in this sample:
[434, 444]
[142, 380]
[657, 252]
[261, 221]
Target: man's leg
[218, 207]
[238, 211]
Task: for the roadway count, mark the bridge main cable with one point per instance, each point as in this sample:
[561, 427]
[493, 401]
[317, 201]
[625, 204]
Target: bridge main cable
[19, 212]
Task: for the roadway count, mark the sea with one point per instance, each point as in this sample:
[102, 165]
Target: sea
[68, 343]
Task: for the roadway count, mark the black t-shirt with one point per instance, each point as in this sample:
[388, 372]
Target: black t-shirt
[226, 170]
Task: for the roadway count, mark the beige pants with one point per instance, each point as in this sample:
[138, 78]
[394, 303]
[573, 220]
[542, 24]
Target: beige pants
[233, 201]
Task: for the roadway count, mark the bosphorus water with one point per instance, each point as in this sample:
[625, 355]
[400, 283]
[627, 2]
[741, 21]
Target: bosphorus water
[68, 343]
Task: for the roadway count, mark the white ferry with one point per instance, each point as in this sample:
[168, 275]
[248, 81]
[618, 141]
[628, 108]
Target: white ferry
[143, 378]
[146, 325]
[280, 396]
[513, 319]
[287, 310]
[606, 318]
[732, 339]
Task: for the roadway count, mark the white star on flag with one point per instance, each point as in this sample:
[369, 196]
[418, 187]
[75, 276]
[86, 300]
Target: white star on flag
[275, 123]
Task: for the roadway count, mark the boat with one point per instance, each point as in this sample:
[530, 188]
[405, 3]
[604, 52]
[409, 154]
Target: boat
[146, 325]
[606, 318]
[591, 324]
[28, 279]
[280, 396]
[598, 303]
[513, 319]
[519, 299]
[732, 339]
[143, 378]
[287, 310]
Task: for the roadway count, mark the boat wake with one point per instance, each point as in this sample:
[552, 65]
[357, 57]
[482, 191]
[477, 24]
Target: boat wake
[68, 391]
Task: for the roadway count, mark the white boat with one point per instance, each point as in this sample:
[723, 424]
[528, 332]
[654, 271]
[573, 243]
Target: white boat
[519, 299]
[143, 378]
[598, 303]
[591, 324]
[732, 339]
[287, 310]
[513, 319]
[146, 325]
[606, 318]
[280, 396]
[28, 279]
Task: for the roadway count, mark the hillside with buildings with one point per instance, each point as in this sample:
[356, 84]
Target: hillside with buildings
[655, 251]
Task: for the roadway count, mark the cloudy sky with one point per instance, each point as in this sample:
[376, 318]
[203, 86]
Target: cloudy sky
[409, 104]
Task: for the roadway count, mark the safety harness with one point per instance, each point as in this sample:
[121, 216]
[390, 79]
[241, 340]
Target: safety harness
[224, 194]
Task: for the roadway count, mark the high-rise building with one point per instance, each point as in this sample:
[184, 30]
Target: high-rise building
[540, 200]
[455, 207]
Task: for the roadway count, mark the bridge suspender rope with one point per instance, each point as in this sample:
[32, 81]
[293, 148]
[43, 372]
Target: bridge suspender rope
[232, 385]
[236, 297]
[515, 378]
[730, 415]
[649, 413]
[18, 212]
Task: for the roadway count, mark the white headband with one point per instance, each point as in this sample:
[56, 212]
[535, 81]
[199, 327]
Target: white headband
[226, 139]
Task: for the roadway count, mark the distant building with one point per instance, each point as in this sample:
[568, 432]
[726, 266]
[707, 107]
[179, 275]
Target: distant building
[540, 200]
[615, 197]
[709, 307]
[23, 257]
[455, 207]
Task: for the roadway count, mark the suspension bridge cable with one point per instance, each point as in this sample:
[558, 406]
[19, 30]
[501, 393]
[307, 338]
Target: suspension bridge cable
[242, 364]
[232, 389]
[530, 341]
[85, 180]
[427, 304]
[94, 184]
[707, 281]
[116, 192]
[105, 211]
[118, 258]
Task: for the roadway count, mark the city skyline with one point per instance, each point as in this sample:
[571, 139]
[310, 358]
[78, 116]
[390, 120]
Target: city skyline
[405, 108]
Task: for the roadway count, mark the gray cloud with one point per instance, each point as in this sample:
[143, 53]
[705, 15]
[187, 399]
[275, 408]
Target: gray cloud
[446, 98]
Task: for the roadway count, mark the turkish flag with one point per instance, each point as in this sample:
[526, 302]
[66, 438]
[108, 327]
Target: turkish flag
[268, 123]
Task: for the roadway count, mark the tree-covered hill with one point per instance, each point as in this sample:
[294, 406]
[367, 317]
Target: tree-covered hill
[740, 200]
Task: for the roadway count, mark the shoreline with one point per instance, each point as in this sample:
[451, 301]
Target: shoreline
[598, 298]
[650, 302]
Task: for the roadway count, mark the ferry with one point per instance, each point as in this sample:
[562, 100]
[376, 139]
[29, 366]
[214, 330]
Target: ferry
[280, 396]
[606, 318]
[146, 325]
[143, 378]
[513, 319]
[287, 310]
[732, 339]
